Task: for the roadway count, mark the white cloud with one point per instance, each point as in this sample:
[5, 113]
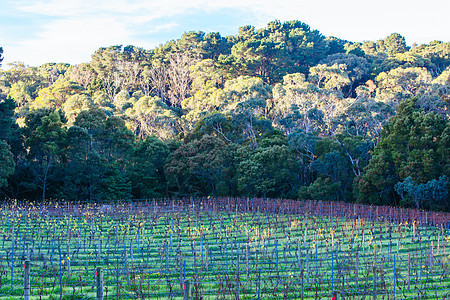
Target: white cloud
[68, 40]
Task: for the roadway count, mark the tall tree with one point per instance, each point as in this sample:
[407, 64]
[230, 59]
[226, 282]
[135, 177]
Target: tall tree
[147, 176]
[201, 167]
[413, 144]
[395, 43]
[268, 171]
[179, 77]
[46, 144]
[6, 163]
[8, 135]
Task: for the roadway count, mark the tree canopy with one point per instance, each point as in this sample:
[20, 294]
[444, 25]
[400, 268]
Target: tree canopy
[279, 111]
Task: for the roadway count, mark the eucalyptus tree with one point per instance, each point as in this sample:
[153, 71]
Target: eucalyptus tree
[400, 83]
[83, 74]
[179, 78]
[151, 116]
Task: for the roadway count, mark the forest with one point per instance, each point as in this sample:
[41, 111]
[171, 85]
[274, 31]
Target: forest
[277, 112]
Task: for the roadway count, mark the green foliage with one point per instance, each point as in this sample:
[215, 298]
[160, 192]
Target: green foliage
[147, 168]
[401, 82]
[151, 116]
[437, 52]
[433, 194]
[269, 170]
[6, 163]
[9, 131]
[329, 77]
[276, 50]
[279, 111]
[394, 43]
[322, 189]
[356, 67]
[413, 144]
[201, 167]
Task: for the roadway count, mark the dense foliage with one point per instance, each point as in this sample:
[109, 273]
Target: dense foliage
[281, 111]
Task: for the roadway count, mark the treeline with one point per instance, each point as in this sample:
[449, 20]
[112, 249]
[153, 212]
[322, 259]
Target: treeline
[282, 112]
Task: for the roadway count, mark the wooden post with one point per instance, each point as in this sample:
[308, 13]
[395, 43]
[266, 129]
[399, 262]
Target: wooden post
[303, 284]
[12, 258]
[395, 275]
[117, 279]
[26, 284]
[238, 281]
[259, 284]
[374, 283]
[186, 290]
[332, 270]
[68, 266]
[99, 275]
[409, 271]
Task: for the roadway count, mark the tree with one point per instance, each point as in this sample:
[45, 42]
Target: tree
[437, 52]
[158, 77]
[56, 94]
[329, 77]
[46, 144]
[105, 62]
[201, 167]
[9, 130]
[83, 74]
[192, 43]
[244, 98]
[405, 60]
[150, 116]
[93, 120]
[303, 144]
[121, 100]
[1, 56]
[413, 144]
[214, 45]
[147, 176]
[395, 43]
[6, 163]
[179, 78]
[330, 164]
[356, 67]
[84, 168]
[274, 51]
[433, 194]
[297, 103]
[75, 104]
[365, 115]
[400, 83]
[21, 93]
[267, 171]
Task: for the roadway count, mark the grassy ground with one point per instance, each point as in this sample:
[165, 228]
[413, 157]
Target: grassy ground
[150, 251]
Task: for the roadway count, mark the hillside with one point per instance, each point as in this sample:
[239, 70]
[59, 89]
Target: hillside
[282, 112]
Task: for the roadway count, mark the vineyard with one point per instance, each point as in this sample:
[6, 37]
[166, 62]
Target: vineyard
[223, 249]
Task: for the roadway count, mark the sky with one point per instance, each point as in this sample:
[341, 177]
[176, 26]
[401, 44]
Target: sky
[70, 31]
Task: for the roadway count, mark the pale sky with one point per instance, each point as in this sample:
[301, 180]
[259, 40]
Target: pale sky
[70, 31]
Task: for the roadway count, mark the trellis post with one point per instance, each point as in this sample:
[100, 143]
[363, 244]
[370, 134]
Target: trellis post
[186, 290]
[99, 275]
[26, 284]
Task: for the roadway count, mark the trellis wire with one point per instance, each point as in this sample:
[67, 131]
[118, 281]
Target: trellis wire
[212, 260]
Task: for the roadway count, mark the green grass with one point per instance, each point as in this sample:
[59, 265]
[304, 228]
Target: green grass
[149, 253]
